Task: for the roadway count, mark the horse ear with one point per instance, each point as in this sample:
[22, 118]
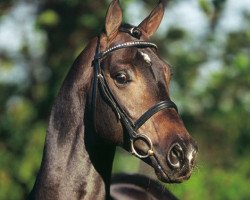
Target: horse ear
[113, 18]
[152, 22]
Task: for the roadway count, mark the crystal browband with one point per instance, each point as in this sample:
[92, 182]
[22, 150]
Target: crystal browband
[138, 44]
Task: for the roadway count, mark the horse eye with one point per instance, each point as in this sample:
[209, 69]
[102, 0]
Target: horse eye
[121, 78]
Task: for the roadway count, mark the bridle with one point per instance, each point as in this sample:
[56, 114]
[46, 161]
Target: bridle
[99, 82]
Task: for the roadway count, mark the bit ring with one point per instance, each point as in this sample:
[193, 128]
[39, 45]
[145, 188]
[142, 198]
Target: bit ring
[146, 140]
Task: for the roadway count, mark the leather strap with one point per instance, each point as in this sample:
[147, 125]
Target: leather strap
[137, 44]
[153, 110]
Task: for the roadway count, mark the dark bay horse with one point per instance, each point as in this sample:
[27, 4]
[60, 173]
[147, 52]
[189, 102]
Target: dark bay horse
[116, 93]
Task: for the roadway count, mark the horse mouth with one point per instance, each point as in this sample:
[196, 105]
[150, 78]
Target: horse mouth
[168, 176]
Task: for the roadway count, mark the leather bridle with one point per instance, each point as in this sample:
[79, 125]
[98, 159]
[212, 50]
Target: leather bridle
[99, 82]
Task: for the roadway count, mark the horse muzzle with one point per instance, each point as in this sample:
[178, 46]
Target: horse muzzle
[177, 164]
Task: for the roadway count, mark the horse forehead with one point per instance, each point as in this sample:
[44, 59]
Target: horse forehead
[129, 53]
[125, 55]
[145, 57]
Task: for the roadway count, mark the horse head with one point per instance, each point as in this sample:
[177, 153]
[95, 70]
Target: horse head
[129, 103]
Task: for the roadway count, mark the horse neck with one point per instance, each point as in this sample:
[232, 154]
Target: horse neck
[73, 166]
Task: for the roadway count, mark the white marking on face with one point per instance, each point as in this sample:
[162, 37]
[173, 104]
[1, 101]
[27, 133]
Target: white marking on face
[190, 156]
[146, 57]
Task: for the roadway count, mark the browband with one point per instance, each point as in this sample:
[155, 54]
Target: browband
[138, 44]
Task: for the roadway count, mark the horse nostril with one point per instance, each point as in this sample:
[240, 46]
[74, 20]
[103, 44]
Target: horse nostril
[175, 156]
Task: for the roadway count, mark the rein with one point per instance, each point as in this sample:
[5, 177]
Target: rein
[99, 82]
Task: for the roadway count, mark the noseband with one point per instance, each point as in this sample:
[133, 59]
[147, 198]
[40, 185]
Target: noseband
[99, 82]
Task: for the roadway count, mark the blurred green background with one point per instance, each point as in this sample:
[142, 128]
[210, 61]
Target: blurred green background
[206, 41]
